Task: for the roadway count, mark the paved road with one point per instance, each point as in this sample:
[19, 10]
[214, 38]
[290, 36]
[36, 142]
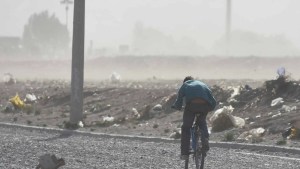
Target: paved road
[20, 148]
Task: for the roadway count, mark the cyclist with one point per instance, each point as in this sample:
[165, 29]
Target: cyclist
[198, 99]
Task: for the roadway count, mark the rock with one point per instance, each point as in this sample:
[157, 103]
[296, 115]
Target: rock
[225, 110]
[176, 134]
[9, 107]
[48, 161]
[157, 107]
[222, 119]
[239, 122]
[277, 101]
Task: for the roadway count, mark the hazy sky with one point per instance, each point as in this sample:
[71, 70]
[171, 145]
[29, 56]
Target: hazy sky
[110, 22]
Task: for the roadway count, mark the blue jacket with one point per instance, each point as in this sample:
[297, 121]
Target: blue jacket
[194, 89]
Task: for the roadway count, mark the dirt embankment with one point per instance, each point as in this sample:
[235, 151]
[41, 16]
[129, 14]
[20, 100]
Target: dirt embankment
[143, 107]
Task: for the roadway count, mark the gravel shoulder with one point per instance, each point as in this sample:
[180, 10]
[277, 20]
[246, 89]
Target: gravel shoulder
[21, 148]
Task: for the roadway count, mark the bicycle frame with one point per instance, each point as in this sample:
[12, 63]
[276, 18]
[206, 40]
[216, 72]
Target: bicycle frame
[196, 145]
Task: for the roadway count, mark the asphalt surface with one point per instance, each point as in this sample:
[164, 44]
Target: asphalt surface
[21, 148]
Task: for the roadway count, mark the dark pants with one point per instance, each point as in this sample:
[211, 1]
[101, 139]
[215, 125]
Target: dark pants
[188, 119]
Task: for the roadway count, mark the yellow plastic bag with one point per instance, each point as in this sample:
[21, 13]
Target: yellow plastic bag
[293, 133]
[17, 102]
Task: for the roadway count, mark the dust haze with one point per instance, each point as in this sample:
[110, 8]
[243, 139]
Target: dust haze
[144, 39]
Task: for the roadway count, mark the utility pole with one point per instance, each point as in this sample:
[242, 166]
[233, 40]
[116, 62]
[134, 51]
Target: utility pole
[228, 26]
[67, 3]
[76, 113]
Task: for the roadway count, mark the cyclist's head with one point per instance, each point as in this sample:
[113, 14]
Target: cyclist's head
[188, 78]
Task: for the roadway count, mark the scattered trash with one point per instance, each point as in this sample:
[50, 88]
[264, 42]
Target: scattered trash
[287, 109]
[30, 98]
[48, 161]
[176, 134]
[136, 114]
[17, 102]
[276, 102]
[157, 107]
[115, 78]
[80, 124]
[236, 91]
[254, 135]
[9, 79]
[276, 115]
[291, 133]
[281, 72]
[116, 125]
[108, 119]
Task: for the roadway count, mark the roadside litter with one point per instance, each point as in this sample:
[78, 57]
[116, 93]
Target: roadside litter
[48, 161]
[115, 77]
[17, 102]
[9, 79]
[291, 133]
[254, 135]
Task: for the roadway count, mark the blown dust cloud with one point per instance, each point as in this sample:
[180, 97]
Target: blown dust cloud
[135, 64]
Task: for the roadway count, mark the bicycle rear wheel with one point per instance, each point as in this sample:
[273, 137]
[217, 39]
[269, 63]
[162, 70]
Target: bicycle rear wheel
[199, 159]
[186, 164]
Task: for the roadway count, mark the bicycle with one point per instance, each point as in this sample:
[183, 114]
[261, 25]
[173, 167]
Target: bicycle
[196, 146]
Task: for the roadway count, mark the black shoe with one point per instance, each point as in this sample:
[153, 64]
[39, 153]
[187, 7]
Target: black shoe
[184, 157]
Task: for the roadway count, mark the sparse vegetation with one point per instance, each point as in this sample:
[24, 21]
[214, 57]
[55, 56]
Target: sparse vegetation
[281, 142]
[29, 122]
[155, 126]
[229, 136]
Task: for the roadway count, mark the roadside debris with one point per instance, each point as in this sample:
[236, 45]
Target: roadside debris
[48, 161]
[108, 119]
[253, 136]
[176, 134]
[80, 124]
[9, 79]
[277, 101]
[157, 107]
[17, 102]
[291, 133]
[222, 119]
[115, 78]
[281, 72]
[30, 98]
[136, 114]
